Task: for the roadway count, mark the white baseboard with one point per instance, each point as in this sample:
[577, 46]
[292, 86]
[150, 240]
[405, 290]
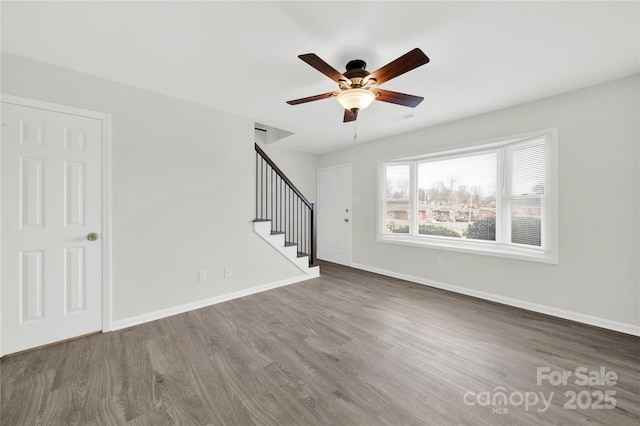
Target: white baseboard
[174, 310]
[543, 309]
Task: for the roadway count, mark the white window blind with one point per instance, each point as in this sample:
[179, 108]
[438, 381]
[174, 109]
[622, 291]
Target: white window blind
[527, 191]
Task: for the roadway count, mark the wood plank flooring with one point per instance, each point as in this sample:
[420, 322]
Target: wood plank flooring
[348, 348]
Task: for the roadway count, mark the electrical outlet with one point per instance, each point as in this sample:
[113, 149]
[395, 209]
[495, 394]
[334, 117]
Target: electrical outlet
[227, 271]
[202, 275]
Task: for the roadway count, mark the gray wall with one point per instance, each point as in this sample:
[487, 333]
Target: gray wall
[183, 190]
[599, 190]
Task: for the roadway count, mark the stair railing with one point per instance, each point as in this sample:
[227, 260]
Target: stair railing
[279, 201]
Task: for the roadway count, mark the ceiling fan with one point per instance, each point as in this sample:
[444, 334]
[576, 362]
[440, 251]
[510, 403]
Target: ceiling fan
[359, 87]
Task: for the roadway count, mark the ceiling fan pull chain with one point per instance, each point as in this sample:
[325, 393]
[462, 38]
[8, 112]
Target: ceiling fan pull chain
[355, 130]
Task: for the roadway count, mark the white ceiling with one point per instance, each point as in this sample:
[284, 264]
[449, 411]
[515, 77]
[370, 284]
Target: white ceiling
[242, 56]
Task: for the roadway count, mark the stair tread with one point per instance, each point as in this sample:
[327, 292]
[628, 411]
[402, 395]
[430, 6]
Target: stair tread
[301, 254]
[262, 220]
[276, 233]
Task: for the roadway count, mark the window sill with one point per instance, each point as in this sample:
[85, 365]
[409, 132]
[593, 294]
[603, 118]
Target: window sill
[483, 248]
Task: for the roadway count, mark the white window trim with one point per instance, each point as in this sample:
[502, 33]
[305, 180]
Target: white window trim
[548, 254]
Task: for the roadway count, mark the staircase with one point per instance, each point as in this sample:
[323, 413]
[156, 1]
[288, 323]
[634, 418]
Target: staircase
[288, 249]
[284, 217]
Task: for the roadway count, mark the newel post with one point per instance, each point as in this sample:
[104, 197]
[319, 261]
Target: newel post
[313, 259]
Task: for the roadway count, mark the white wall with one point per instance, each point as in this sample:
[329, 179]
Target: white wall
[597, 278]
[183, 190]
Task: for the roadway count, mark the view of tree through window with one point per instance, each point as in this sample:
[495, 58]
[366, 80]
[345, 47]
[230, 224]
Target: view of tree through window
[455, 193]
[397, 198]
[466, 199]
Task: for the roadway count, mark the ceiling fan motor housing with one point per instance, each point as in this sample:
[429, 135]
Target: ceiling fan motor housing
[356, 64]
[356, 73]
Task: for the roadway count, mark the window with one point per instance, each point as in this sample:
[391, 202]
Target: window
[496, 198]
[396, 198]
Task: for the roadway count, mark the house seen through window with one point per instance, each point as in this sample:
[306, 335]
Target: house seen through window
[496, 199]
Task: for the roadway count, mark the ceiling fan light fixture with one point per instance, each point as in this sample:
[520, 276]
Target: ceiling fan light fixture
[356, 99]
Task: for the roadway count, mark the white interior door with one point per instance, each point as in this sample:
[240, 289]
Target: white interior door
[334, 214]
[50, 280]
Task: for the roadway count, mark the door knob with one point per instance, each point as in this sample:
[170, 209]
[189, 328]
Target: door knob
[92, 236]
[346, 220]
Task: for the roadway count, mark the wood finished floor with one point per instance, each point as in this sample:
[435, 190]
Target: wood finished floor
[350, 348]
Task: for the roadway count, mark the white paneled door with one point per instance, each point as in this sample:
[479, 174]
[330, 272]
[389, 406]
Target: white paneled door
[50, 282]
[334, 214]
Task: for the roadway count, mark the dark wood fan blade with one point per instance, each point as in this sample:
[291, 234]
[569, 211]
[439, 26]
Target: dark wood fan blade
[311, 98]
[350, 115]
[397, 98]
[326, 69]
[404, 63]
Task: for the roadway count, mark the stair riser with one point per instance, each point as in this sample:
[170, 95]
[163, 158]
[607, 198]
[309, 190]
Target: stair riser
[290, 252]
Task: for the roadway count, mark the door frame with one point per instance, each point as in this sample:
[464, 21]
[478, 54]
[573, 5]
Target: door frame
[106, 279]
[350, 202]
